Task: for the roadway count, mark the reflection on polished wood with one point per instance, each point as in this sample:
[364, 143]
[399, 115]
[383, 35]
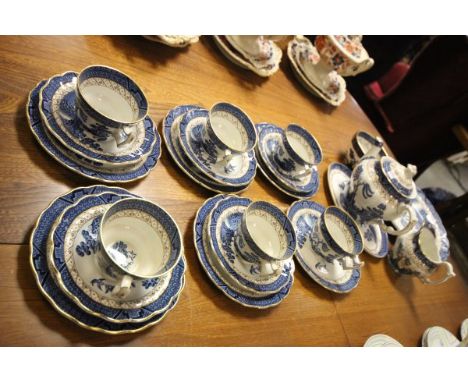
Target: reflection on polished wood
[29, 179]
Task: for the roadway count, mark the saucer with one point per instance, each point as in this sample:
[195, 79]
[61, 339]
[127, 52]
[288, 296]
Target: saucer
[259, 303]
[382, 340]
[57, 108]
[437, 336]
[170, 132]
[238, 58]
[312, 87]
[270, 144]
[304, 215]
[375, 239]
[76, 162]
[44, 279]
[174, 41]
[239, 171]
[72, 257]
[222, 227]
[426, 213]
[464, 329]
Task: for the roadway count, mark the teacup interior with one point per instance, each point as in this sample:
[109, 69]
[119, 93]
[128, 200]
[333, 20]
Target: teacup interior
[300, 146]
[339, 232]
[266, 232]
[427, 241]
[229, 130]
[134, 244]
[110, 99]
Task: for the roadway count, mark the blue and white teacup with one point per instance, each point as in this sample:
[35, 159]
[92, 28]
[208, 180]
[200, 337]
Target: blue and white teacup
[140, 240]
[228, 131]
[336, 236]
[363, 144]
[301, 152]
[109, 103]
[265, 232]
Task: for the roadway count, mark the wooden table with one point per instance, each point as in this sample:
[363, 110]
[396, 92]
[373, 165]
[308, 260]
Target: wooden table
[311, 315]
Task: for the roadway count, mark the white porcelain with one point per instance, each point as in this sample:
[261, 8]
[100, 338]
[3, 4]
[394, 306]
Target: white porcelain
[140, 241]
[110, 102]
[258, 50]
[418, 254]
[174, 41]
[437, 336]
[265, 232]
[344, 53]
[382, 340]
[464, 329]
[363, 144]
[380, 190]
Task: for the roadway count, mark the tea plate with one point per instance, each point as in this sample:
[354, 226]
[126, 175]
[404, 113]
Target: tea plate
[238, 58]
[222, 226]
[170, 131]
[44, 278]
[306, 82]
[259, 303]
[72, 255]
[76, 162]
[239, 171]
[304, 215]
[375, 239]
[57, 108]
[382, 340]
[269, 147]
[426, 213]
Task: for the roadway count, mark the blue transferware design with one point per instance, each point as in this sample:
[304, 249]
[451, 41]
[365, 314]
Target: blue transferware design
[45, 281]
[261, 302]
[123, 253]
[89, 145]
[272, 157]
[375, 239]
[225, 246]
[181, 159]
[150, 283]
[67, 158]
[103, 285]
[310, 213]
[112, 314]
[313, 144]
[91, 244]
[203, 156]
[103, 72]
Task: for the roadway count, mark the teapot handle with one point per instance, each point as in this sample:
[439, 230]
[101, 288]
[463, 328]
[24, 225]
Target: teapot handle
[411, 223]
[448, 274]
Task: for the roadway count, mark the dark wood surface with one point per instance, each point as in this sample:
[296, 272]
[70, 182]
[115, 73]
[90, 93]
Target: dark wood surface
[311, 315]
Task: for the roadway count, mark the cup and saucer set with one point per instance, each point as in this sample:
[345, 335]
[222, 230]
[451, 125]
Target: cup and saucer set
[246, 249]
[108, 260]
[259, 54]
[321, 68]
[214, 148]
[379, 189]
[95, 123]
[288, 159]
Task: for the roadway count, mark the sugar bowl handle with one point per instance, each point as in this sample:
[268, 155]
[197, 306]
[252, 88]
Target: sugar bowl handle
[122, 289]
[448, 274]
[411, 222]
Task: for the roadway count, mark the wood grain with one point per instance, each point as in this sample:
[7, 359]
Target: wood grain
[30, 179]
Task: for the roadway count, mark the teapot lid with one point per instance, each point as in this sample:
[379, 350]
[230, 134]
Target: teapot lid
[399, 176]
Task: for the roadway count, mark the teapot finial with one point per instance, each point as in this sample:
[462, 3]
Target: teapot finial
[410, 171]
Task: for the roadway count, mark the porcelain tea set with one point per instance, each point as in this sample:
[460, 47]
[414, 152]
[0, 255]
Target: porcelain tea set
[95, 123]
[378, 190]
[321, 68]
[108, 260]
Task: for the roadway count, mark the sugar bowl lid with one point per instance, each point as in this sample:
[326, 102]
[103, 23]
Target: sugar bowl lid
[399, 176]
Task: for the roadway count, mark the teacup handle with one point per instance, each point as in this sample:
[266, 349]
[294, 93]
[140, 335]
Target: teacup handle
[352, 263]
[448, 274]
[122, 289]
[411, 223]
[122, 136]
[306, 171]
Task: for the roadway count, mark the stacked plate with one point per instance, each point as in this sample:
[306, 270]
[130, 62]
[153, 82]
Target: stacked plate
[243, 276]
[66, 257]
[288, 159]
[95, 143]
[184, 129]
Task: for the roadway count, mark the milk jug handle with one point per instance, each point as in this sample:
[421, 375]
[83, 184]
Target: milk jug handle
[448, 274]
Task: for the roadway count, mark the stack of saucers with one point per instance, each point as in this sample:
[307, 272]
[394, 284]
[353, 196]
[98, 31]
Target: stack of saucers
[95, 123]
[246, 249]
[215, 147]
[289, 158]
[108, 260]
